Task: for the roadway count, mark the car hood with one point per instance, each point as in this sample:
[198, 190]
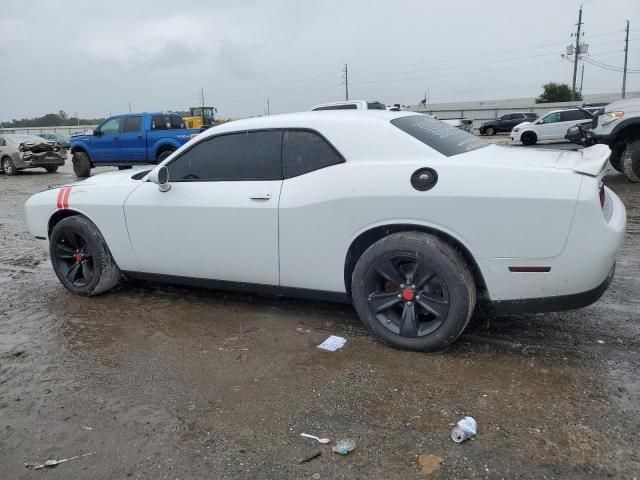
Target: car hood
[114, 178]
[589, 161]
[624, 105]
[523, 124]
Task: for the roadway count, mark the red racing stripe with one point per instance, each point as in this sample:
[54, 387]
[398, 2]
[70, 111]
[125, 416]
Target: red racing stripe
[59, 201]
[65, 197]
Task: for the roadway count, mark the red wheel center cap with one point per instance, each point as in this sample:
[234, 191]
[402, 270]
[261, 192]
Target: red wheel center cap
[408, 294]
[78, 257]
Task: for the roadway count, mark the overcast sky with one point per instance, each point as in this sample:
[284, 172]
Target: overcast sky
[94, 57]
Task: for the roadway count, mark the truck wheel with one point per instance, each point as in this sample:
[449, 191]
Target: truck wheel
[81, 165]
[164, 154]
[631, 161]
[413, 291]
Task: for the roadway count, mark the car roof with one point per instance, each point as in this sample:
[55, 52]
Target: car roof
[311, 120]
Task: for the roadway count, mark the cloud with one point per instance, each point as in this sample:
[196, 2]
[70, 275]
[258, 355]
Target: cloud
[238, 59]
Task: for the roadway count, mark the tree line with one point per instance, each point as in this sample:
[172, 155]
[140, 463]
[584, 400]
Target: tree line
[60, 119]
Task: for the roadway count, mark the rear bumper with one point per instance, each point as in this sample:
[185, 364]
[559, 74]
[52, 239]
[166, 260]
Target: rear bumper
[577, 276]
[554, 304]
[40, 160]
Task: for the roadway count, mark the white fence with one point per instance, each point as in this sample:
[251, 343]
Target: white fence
[38, 130]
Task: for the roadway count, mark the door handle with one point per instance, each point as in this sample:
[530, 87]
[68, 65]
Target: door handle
[260, 196]
[116, 138]
[139, 137]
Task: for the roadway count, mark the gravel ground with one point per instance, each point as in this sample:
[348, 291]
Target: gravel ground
[176, 383]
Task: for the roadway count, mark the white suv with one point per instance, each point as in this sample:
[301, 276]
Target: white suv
[553, 126]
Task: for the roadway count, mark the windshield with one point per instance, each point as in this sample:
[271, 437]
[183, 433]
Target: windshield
[440, 136]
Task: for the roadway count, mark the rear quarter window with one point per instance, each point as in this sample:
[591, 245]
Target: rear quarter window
[438, 135]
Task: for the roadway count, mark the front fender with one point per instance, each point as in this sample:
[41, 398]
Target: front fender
[81, 145]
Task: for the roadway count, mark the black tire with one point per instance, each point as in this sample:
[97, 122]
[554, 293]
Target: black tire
[616, 159]
[490, 131]
[631, 161]
[80, 257]
[124, 167]
[81, 164]
[422, 315]
[529, 138]
[162, 156]
[53, 169]
[8, 167]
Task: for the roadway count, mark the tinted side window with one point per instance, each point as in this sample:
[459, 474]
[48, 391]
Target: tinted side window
[2, 142]
[177, 122]
[571, 115]
[158, 123]
[438, 135]
[349, 106]
[376, 106]
[132, 124]
[304, 152]
[237, 156]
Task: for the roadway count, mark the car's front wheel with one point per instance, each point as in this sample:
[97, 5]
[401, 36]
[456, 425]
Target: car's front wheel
[413, 291]
[529, 138]
[52, 169]
[490, 131]
[80, 257]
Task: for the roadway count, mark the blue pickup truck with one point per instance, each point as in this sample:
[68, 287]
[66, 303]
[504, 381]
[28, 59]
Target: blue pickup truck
[131, 139]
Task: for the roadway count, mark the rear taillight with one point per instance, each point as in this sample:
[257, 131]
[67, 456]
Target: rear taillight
[602, 194]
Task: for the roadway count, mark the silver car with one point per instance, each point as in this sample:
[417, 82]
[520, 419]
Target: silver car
[18, 152]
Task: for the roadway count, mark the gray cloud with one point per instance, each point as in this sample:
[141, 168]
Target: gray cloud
[95, 58]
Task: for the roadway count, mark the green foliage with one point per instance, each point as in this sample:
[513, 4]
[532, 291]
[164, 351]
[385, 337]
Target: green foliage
[60, 119]
[557, 92]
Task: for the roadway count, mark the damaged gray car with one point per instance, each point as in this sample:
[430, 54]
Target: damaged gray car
[18, 152]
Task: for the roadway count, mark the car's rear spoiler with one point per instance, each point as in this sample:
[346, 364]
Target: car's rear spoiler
[593, 160]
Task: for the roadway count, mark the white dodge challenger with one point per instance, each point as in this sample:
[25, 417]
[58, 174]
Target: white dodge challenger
[412, 220]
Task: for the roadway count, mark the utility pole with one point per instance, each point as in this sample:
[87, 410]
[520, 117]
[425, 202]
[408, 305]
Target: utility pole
[626, 53]
[581, 79]
[575, 59]
[129, 103]
[346, 82]
[268, 112]
[202, 97]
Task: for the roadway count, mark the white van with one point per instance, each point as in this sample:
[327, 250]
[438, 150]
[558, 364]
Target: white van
[553, 126]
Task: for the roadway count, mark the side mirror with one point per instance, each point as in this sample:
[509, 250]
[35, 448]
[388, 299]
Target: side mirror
[160, 176]
[96, 132]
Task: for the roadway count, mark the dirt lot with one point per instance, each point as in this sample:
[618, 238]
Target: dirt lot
[163, 382]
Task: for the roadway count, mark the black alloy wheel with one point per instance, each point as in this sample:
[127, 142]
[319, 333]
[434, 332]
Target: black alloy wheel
[81, 258]
[74, 258]
[407, 295]
[490, 131]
